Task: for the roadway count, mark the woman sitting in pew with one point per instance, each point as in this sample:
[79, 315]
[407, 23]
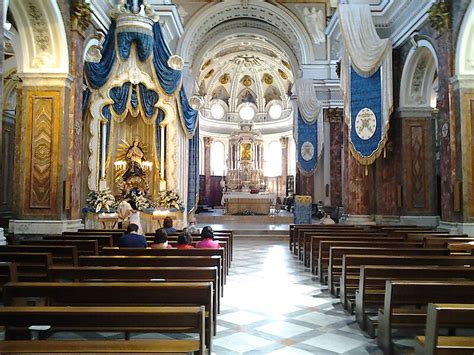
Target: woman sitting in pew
[207, 239]
[184, 240]
[161, 240]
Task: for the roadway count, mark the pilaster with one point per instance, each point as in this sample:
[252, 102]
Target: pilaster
[335, 118]
[284, 162]
[207, 166]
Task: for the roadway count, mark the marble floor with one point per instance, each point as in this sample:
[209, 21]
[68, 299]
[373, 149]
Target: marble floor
[273, 305]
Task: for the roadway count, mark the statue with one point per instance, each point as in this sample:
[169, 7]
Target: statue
[316, 23]
[134, 157]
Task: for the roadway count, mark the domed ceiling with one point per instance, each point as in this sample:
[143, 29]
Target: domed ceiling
[245, 78]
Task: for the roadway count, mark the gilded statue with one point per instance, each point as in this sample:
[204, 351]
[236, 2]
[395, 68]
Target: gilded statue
[134, 157]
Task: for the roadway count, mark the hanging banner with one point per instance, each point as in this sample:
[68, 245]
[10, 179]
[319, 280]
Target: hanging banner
[367, 131]
[307, 145]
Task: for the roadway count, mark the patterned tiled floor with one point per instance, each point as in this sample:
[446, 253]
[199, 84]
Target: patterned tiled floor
[272, 305]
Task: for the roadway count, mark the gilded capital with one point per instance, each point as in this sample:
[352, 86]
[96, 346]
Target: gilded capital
[81, 17]
[334, 114]
[284, 142]
[208, 141]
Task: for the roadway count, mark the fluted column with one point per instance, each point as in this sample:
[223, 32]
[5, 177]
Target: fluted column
[207, 166]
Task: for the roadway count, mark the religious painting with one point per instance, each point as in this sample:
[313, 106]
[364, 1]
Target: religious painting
[245, 151]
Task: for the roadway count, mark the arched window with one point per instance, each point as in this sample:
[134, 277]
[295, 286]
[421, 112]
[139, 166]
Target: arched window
[273, 159]
[217, 158]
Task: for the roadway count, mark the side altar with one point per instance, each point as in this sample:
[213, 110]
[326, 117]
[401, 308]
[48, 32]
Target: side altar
[241, 203]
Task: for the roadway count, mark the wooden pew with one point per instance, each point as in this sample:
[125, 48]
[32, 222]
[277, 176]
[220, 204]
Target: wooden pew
[371, 292]
[406, 301]
[118, 294]
[351, 263]
[138, 274]
[450, 316]
[442, 242]
[336, 254]
[326, 245]
[102, 240]
[169, 252]
[30, 266]
[422, 236]
[84, 247]
[115, 234]
[61, 255]
[466, 247]
[315, 240]
[100, 319]
[8, 273]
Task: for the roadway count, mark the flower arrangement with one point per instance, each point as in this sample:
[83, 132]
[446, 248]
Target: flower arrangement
[170, 199]
[102, 199]
[141, 201]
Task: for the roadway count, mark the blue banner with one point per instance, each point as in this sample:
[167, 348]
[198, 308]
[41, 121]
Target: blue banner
[366, 129]
[307, 139]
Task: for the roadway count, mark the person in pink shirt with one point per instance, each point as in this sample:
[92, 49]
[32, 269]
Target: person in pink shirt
[207, 239]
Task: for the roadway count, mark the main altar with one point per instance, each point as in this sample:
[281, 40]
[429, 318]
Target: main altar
[244, 203]
[140, 124]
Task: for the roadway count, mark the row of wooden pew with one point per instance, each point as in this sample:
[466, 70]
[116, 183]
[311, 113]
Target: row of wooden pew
[388, 275]
[80, 282]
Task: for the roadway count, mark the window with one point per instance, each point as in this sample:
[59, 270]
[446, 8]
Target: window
[273, 159]
[217, 159]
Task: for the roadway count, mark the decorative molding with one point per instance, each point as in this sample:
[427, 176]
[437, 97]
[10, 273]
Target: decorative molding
[39, 27]
[208, 141]
[81, 17]
[335, 115]
[417, 166]
[440, 16]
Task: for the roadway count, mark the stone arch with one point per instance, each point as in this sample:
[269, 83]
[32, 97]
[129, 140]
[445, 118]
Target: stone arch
[42, 36]
[418, 75]
[465, 45]
[290, 27]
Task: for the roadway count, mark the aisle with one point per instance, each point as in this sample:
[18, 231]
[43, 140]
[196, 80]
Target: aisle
[272, 305]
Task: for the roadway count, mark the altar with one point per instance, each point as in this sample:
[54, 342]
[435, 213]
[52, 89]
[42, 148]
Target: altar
[241, 203]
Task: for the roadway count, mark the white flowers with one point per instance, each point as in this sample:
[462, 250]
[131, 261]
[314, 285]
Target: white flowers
[102, 199]
[140, 200]
[170, 199]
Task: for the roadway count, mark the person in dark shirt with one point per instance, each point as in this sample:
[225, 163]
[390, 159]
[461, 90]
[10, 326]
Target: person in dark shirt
[132, 239]
[168, 225]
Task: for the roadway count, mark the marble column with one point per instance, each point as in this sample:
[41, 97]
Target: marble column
[207, 166]
[40, 164]
[284, 163]
[358, 187]
[335, 117]
[80, 21]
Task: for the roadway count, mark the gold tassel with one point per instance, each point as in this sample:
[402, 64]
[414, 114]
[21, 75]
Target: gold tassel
[366, 171]
[384, 153]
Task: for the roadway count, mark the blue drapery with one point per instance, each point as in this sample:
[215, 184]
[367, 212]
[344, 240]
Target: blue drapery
[366, 92]
[160, 117]
[120, 96]
[193, 171]
[85, 99]
[97, 74]
[144, 44]
[168, 78]
[149, 98]
[188, 113]
[107, 114]
[307, 133]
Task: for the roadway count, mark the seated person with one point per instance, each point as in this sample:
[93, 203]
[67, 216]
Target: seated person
[207, 239]
[184, 240]
[327, 219]
[192, 226]
[161, 240]
[168, 225]
[131, 238]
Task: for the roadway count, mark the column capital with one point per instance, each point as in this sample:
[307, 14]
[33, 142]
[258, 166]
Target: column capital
[208, 141]
[46, 79]
[81, 17]
[334, 114]
[284, 142]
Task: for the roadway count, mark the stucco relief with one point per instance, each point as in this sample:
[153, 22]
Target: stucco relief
[42, 40]
[417, 83]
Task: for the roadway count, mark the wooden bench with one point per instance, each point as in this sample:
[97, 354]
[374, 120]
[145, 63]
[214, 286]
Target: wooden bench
[351, 263]
[138, 274]
[450, 316]
[17, 320]
[465, 247]
[84, 247]
[8, 273]
[61, 255]
[115, 234]
[30, 266]
[102, 240]
[118, 294]
[337, 253]
[315, 240]
[369, 297]
[168, 252]
[442, 242]
[406, 301]
[325, 247]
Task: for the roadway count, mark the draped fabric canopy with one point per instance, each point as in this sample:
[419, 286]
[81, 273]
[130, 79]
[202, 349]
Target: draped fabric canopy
[308, 104]
[366, 81]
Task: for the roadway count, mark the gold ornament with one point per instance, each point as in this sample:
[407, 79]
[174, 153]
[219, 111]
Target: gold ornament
[224, 79]
[247, 81]
[268, 79]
